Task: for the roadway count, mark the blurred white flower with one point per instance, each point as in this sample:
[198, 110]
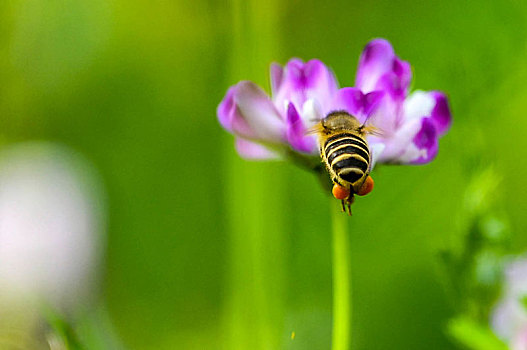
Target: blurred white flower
[520, 341]
[51, 226]
[509, 317]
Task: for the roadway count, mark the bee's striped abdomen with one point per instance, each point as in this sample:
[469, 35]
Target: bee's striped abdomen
[348, 156]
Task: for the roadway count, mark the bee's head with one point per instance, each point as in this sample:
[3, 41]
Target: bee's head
[340, 120]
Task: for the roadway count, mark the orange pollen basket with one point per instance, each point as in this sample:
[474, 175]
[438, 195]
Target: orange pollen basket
[367, 187]
[340, 192]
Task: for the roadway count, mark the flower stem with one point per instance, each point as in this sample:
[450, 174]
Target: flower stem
[341, 279]
[255, 199]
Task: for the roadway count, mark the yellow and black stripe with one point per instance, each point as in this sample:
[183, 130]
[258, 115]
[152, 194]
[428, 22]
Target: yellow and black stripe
[348, 158]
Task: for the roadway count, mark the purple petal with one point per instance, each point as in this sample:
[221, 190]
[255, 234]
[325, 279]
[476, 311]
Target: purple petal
[248, 112]
[371, 102]
[353, 101]
[376, 60]
[396, 85]
[432, 104]
[226, 109]
[296, 132]
[380, 69]
[348, 99]
[318, 76]
[418, 105]
[413, 143]
[254, 151]
[396, 143]
[441, 113]
[301, 82]
[229, 115]
[321, 83]
[413, 139]
[426, 141]
[385, 113]
[277, 73]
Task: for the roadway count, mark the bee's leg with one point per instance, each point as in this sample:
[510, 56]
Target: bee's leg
[349, 202]
[343, 202]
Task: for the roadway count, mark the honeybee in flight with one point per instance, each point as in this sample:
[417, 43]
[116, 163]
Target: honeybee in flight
[346, 154]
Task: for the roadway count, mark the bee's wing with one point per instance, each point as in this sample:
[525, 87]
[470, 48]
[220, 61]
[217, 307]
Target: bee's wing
[316, 129]
[368, 126]
[372, 130]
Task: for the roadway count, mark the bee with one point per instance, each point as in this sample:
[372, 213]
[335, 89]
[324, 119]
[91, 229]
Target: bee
[346, 154]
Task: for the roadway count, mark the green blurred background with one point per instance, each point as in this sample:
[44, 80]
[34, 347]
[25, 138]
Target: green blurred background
[207, 251]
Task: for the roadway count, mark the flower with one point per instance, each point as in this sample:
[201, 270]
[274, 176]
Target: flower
[509, 317]
[303, 93]
[50, 226]
[410, 124]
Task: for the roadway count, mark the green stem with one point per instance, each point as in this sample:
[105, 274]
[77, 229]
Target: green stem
[255, 198]
[341, 279]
